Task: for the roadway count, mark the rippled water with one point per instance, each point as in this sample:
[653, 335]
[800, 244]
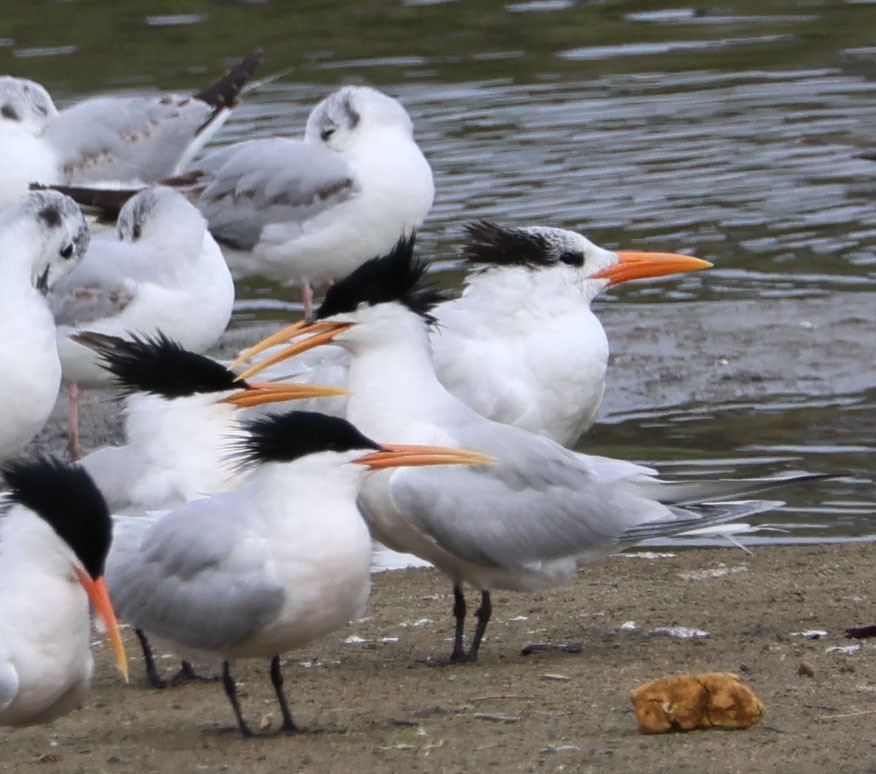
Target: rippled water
[730, 132]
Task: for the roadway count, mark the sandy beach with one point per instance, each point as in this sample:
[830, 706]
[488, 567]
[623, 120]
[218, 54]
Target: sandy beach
[372, 698]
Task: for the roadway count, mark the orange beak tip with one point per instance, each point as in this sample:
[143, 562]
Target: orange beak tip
[100, 601]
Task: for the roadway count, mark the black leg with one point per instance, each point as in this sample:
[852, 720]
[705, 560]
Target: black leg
[187, 674]
[152, 677]
[458, 653]
[277, 682]
[186, 671]
[483, 615]
[231, 693]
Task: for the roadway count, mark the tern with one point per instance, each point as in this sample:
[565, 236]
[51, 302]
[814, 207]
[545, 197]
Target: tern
[522, 345]
[310, 210]
[180, 410]
[107, 139]
[270, 566]
[55, 532]
[42, 236]
[525, 523]
[160, 271]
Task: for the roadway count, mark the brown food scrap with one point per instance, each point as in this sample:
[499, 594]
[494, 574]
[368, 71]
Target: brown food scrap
[686, 702]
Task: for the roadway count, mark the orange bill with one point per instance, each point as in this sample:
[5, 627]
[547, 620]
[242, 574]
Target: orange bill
[100, 601]
[639, 265]
[280, 337]
[401, 455]
[324, 333]
[260, 393]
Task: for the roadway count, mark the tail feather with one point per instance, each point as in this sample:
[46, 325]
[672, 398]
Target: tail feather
[224, 93]
[698, 516]
[107, 201]
[99, 342]
[711, 490]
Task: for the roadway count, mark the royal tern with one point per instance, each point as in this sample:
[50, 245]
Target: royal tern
[310, 211]
[161, 272]
[271, 566]
[113, 138]
[180, 410]
[522, 345]
[527, 522]
[55, 532]
[42, 236]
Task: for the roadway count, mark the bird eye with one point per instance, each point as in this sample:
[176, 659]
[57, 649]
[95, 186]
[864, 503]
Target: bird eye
[67, 251]
[137, 231]
[327, 132]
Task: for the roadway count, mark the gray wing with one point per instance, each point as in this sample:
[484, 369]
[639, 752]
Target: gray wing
[539, 503]
[126, 138]
[102, 285]
[698, 516]
[247, 188]
[197, 577]
[711, 490]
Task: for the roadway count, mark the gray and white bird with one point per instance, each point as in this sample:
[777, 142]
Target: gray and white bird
[132, 139]
[42, 237]
[268, 567]
[525, 523]
[181, 409]
[55, 532]
[311, 210]
[160, 271]
[522, 345]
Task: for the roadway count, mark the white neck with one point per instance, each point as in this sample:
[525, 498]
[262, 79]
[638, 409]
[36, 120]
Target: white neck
[393, 384]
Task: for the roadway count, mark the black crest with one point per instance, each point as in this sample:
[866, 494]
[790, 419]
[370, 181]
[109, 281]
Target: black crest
[286, 437]
[67, 499]
[497, 246]
[394, 277]
[158, 365]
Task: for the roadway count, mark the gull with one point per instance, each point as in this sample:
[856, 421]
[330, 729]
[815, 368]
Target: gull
[55, 532]
[268, 567]
[310, 210]
[42, 236]
[180, 409]
[522, 345]
[525, 523]
[111, 138]
[161, 271]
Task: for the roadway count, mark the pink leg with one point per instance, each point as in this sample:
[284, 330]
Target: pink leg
[73, 447]
[307, 299]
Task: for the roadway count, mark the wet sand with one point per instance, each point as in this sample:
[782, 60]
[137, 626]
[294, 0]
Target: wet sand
[663, 355]
[372, 698]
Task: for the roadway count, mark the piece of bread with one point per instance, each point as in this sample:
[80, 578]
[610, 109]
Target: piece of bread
[686, 702]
